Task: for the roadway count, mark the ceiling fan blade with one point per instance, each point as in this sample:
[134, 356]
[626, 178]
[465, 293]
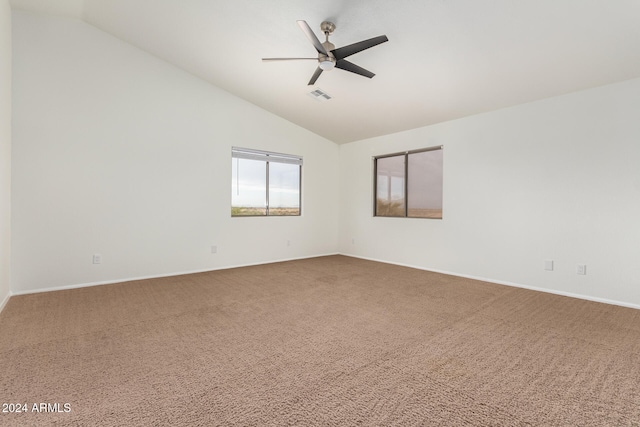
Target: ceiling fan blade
[315, 76]
[312, 37]
[343, 64]
[343, 52]
[286, 59]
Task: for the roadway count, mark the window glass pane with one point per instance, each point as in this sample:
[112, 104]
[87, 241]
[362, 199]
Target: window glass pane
[284, 189]
[249, 187]
[424, 187]
[390, 186]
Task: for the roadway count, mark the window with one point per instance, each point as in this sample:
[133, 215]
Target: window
[265, 183]
[409, 184]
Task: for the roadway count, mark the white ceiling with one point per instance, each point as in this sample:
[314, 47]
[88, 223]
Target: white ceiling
[445, 59]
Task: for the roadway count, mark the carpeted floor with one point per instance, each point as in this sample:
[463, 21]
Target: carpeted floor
[326, 341]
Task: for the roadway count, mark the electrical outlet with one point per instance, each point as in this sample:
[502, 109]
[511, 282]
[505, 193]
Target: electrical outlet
[288, 242]
[97, 259]
[214, 249]
[581, 269]
[548, 265]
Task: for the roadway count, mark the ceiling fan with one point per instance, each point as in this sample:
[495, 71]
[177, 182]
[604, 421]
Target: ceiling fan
[330, 57]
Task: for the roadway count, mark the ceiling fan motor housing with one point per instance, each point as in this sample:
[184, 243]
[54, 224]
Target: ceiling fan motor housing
[328, 46]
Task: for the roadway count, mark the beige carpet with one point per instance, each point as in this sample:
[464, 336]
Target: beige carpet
[326, 341]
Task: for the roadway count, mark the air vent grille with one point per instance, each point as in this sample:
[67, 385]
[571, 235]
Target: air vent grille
[319, 95]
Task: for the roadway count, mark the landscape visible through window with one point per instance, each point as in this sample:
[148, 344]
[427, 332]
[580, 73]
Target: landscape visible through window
[409, 184]
[265, 183]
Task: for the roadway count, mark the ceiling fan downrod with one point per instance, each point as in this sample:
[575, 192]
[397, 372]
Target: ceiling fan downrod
[327, 62]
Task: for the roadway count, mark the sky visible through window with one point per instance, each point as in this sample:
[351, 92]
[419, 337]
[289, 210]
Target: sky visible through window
[249, 184]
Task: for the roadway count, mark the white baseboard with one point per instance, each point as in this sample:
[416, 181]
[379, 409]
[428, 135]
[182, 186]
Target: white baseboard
[180, 273]
[515, 285]
[157, 276]
[5, 301]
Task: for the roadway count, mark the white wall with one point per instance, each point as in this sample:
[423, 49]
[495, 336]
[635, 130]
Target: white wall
[556, 179]
[119, 153]
[5, 151]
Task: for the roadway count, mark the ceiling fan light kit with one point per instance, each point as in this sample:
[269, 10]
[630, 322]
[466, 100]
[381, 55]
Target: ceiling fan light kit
[327, 65]
[328, 56]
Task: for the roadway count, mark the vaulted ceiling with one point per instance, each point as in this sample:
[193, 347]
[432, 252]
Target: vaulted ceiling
[445, 59]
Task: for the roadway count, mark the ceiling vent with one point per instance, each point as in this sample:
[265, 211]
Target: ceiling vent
[319, 95]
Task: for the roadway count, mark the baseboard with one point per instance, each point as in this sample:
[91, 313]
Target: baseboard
[500, 282]
[483, 279]
[4, 302]
[158, 276]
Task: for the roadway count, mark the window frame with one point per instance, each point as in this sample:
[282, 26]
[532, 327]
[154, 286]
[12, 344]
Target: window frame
[268, 157]
[406, 155]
